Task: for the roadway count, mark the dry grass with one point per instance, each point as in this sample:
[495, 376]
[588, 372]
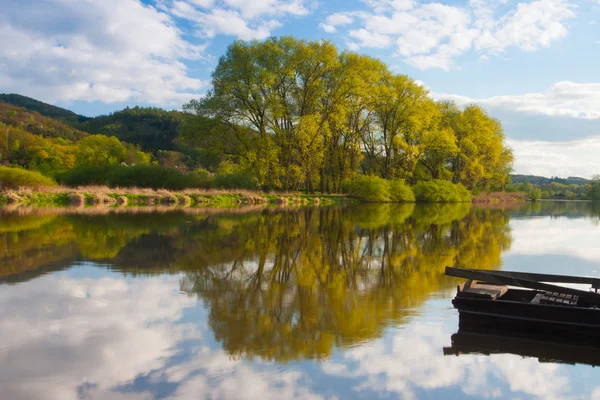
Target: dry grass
[499, 197]
[99, 196]
[104, 210]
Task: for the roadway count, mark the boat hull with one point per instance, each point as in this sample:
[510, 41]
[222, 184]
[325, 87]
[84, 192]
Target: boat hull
[527, 317]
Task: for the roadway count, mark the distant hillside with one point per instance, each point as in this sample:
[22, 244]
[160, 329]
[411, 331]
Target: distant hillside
[153, 129]
[36, 123]
[541, 180]
[44, 109]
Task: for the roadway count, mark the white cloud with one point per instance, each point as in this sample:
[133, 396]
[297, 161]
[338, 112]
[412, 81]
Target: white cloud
[414, 361]
[574, 158]
[110, 51]
[335, 20]
[369, 39]
[433, 35]
[60, 335]
[243, 19]
[562, 99]
[66, 338]
[558, 236]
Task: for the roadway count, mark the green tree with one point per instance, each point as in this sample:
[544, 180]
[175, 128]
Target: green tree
[100, 150]
[594, 191]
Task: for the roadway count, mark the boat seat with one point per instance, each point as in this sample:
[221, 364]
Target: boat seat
[554, 298]
[480, 290]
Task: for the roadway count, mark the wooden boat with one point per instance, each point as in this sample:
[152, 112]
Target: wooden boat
[547, 349]
[527, 302]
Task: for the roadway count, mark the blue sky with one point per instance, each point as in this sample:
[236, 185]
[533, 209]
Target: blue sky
[534, 64]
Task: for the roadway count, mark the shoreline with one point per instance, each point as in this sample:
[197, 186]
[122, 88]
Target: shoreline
[101, 196]
[115, 198]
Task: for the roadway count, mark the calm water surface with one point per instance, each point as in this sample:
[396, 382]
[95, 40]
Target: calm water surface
[258, 304]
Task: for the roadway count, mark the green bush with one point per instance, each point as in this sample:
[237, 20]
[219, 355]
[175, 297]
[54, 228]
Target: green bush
[147, 176]
[85, 175]
[439, 191]
[370, 189]
[400, 192]
[536, 194]
[12, 178]
[235, 180]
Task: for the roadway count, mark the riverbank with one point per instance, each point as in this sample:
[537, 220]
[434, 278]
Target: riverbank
[500, 198]
[89, 196]
[139, 197]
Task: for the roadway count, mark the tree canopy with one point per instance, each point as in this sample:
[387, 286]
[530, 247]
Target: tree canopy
[303, 115]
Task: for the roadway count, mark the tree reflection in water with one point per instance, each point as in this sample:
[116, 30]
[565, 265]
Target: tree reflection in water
[291, 285]
[279, 284]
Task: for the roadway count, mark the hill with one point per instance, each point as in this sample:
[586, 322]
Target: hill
[35, 123]
[151, 128]
[45, 109]
[541, 180]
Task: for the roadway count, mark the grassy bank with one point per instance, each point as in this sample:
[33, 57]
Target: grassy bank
[502, 198]
[137, 197]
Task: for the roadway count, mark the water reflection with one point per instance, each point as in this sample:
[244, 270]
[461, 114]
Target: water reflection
[239, 305]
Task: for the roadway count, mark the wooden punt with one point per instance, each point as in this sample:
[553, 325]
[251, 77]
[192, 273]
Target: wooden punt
[527, 302]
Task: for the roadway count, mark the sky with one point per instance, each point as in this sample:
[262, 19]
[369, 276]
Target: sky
[533, 64]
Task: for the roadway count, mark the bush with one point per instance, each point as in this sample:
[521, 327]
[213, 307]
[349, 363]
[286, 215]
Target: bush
[12, 178]
[536, 194]
[439, 191]
[370, 189]
[400, 192]
[147, 176]
[235, 180]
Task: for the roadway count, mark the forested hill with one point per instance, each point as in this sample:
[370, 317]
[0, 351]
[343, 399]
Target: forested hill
[152, 129]
[542, 180]
[47, 110]
[35, 123]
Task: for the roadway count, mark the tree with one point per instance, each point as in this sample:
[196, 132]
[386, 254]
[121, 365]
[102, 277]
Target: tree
[100, 150]
[594, 191]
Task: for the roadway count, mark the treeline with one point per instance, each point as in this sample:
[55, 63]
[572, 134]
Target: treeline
[53, 155]
[301, 115]
[542, 180]
[559, 191]
[283, 114]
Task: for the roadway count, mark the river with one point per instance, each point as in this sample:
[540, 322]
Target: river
[311, 303]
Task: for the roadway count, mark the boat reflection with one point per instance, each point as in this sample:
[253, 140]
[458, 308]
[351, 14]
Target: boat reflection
[487, 340]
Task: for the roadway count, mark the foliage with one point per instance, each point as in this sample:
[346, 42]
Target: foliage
[11, 178]
[400, 192]
[536, 194]
[370, 189]
[234, 180]
[100, 150]
[37, 124]
[441, 191]
[47, 110]
[542, 180]
[594, 191]
[149, 176]
[302, 115]
[152, 129]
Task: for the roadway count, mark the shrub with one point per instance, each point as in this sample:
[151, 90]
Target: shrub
[235, 180]
[536, 194]
[147, 176]
[12, 178]
[85, 175]
[439, 191]
[370, 189]
[400, 192]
